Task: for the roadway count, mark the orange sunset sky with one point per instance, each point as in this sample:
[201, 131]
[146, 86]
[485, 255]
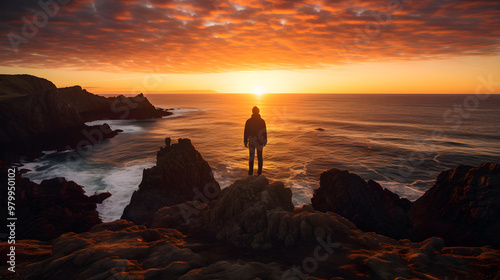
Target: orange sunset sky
[246, 46]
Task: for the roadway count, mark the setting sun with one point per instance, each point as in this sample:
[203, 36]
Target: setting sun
[258, 90]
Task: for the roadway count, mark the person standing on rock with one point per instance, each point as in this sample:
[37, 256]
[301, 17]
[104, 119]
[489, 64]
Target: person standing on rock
[255, 138]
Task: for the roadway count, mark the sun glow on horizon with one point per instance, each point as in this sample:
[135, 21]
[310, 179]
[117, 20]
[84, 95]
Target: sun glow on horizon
[258, 90]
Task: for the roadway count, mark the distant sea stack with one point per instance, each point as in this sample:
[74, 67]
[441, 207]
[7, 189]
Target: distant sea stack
[36, 116]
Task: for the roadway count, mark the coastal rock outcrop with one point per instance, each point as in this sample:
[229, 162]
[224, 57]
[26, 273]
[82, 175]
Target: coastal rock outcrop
[46, 210]
[94, 107]
[252, 231]
[463, 207]
[181, 174]
[366, 204]
[123, 250]
[252, 213]
[35, 116]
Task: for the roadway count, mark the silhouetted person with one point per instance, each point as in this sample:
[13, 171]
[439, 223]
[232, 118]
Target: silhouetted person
[256, 138]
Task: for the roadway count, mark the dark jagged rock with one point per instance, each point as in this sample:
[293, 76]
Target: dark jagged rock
[330, 244]
[367, 205]
[46, 210]
[250, 215]
[99, 198]
[463, 207]
[35, 116]
[37, 119]
[180, 175]
[94, 107]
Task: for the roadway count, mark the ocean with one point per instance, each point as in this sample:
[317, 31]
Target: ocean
[401, 141]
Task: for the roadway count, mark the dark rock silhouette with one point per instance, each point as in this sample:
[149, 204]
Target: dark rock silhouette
[367, 205]
[94, 107]
[13, 86]
[251, 213]
[35, 116]
[463, 207]
[99, 198]
[330, 244]
[180, 175]
[46, 210]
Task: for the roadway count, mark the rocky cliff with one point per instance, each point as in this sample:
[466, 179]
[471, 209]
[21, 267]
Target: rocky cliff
[463, 207]
[180, 175]
[35, 116]
[40, 122]
[93, 107]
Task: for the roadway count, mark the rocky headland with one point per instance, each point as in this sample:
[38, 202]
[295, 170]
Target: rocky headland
[36, 116]
[251, 230]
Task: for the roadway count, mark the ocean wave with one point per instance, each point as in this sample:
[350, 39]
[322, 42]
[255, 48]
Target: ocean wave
[120, 181]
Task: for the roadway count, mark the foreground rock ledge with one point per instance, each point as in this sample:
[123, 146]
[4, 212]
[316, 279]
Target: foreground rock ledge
[257, 236]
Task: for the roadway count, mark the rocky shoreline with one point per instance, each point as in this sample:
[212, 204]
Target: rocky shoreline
[36, 116]
[180, 225]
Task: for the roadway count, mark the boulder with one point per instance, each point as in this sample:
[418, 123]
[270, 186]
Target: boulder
[46, 210]
[181, 174]
[366, 204]
[463, 207]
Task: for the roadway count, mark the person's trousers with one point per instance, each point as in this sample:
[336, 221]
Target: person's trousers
[252, 157]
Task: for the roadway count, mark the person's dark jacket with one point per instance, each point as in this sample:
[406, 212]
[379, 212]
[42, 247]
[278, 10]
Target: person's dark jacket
[255, 131]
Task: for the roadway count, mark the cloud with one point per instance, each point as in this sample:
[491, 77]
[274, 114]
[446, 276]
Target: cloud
[207, 36]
